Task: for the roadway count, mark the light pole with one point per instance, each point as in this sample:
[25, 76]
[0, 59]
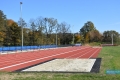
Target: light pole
[73, 36]
[112, 38]
[46, 31]
[56, 38]
[21, 22]
[56, 33]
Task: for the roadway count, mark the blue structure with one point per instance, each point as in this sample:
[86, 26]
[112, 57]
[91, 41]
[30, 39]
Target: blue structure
[15, 48]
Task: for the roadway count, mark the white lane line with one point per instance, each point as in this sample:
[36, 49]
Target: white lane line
[37, 59]
[73, 55]
[85, 53]
[94, 52]
[28, 53]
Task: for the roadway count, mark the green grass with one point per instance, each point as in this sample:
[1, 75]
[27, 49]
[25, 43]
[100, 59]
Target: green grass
[110, 61]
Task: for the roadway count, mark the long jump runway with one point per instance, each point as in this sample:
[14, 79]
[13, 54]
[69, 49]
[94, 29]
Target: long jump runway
[69, 59]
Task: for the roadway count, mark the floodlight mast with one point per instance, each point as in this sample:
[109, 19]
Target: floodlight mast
[112, 38]
[21, 23]
[56, 38]
[73, 34]
[56, 35]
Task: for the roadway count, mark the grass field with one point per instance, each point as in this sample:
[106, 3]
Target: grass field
[110, 61]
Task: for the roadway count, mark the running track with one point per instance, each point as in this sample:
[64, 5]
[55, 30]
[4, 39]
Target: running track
[12, 62]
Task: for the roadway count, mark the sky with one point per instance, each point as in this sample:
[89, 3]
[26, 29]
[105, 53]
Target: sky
[105, 14]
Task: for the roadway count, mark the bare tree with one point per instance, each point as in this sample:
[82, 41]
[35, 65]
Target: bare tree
[49, 28]
[64, 32]
[33, 28]
[40, 28]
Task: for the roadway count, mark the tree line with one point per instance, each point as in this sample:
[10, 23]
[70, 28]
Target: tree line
[40, 31]
[45, 31]
[89, 34]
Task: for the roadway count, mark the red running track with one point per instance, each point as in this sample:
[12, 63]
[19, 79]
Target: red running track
[12, 62]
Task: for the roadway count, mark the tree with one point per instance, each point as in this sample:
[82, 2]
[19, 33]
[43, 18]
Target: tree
[12, 33]
[7, 39]
[40, 27]
[22, 23]
[26, 36]
[64, 33]
[49, 28]
[77, 38]
[107, 36]
[52, 23]
[33, 30]
[2, 21]
[89, 26]
[95, 36]
[2, 36]
[2, 26]
[89, 33]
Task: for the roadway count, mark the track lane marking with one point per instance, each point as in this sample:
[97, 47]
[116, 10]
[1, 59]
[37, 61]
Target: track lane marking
[85, 53]
[32, 57]
[94, 52]
[27, 54]
[40, 59]
[74, 54]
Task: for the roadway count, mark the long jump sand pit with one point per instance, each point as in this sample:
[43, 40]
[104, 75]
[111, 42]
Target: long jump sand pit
[63, 65]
